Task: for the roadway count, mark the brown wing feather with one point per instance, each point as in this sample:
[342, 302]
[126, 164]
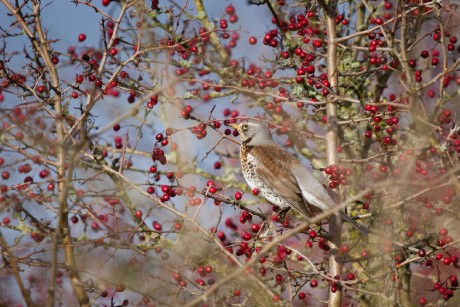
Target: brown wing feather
[274, 170]
[283, 187]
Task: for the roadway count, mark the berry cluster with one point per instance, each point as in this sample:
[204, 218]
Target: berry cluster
[379, 123]
[199, 131]
[445, 117]
[257, 77]
[271, 38]
[153, 101]
[446, 287]
[203, 271]
[338, 175]
[186, 112]
[159, 155]
[169, 192]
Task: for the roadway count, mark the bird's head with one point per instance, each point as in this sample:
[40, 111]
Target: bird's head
[253, 132]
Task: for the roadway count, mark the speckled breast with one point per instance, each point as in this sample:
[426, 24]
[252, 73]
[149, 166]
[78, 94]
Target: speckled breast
[249, 165]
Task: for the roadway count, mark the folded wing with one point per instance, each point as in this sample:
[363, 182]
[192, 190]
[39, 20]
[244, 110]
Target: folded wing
[275, 169]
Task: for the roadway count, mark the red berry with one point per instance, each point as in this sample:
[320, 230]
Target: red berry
[223, 24]
[156, 226]
[113, 51]
[246, 236]
[217, 165]
[443, 232]
[255, 228]
[421, 252]
[238, 195]
[41, 89]
[317, 43]
[233, 18]
[230, 9]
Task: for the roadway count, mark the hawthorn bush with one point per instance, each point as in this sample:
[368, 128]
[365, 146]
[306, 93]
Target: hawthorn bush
[120, 181]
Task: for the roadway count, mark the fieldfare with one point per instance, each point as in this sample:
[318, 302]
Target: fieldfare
[280, 177]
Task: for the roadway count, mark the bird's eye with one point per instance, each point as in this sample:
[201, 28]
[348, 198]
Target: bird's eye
[244, 127]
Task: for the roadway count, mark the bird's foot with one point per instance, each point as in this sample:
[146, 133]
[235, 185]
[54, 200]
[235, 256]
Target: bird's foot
[281, 214]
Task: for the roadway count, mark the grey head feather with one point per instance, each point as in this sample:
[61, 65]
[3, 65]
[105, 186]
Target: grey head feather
[255, 133]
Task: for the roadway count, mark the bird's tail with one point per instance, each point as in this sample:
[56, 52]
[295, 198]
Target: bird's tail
[363, 230]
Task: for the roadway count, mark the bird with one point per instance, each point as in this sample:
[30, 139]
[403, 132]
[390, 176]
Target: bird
[280, 177]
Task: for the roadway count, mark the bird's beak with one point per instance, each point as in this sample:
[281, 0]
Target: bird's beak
[235, 126]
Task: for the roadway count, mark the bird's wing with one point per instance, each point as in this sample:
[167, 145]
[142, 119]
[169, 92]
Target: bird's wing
[293, 182]
[313, 190]
[316, 194]
[274, 169]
